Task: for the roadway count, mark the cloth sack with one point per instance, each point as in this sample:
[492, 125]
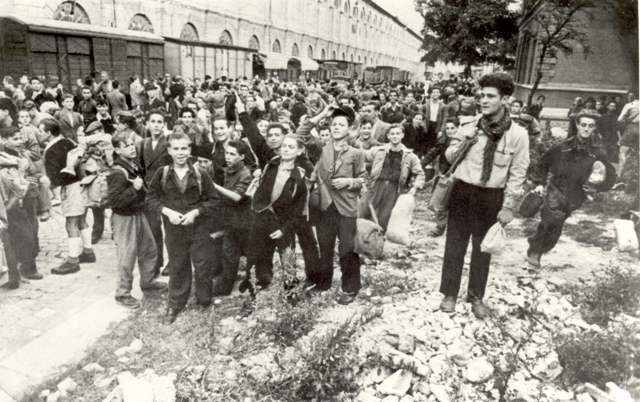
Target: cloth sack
[626, 235]
[530, 204]
[369, 239]
[495, 239]
[400, 220]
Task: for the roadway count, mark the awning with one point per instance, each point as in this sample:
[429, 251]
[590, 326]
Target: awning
[307, 64]
[275, 61]
[65, 27]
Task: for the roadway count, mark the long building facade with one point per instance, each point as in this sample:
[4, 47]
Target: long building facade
[357, 32]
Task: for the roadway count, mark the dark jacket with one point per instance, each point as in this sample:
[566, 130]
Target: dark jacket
[88, 109]
[569, 163]
[153, 159]
[237, 215]
[202, 197]
[289, 207]
[123, 198]
[55, 158]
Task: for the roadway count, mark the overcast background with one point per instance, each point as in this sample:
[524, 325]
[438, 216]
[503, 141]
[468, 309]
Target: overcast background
[405, 10]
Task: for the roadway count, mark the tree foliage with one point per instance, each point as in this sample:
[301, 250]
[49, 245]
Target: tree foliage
[560, 25]
[469, 32]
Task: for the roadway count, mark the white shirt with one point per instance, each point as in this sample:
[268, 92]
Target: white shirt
[434, 108]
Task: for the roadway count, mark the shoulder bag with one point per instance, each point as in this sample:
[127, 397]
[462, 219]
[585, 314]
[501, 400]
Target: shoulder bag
[442, 191]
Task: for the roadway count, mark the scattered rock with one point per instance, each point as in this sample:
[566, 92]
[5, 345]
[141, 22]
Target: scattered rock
[391, 398]
[440, 392]
[423, 388]
[478, 370]
[406, 343]
[135, 346]
[438, 364]
[364, 396]
[584, 397]
[67, 386]
[387, 300]
[397, 383]
[44, 394]
[134, 389]
[407, 398]
[93, 368]
[53, 396]
[115, 395]
[103, 382]
[122, 351]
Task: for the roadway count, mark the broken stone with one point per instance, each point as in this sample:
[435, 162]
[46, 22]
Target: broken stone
[44, 394]
[478, 370]
[67, 386]
[423, 388]
[124, 360]
[53, 397]
[407, 398]
[367, 397]
[135, 346]
[230, 375]
[406, 343]
[134, 389]
[103, 382]
[438, 364]
[387, 300]
[440, 392]
[397, 384]
[93, 368]
[122, 351]
[391, 398]
[584, 397]
[115, 395]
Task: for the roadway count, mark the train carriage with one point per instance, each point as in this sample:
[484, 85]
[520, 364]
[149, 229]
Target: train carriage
[62, 52]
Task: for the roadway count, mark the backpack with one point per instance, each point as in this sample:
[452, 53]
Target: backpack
[165, 173]
[95, 189]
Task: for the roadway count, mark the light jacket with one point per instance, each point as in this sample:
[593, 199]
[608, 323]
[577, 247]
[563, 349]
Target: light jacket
[510, 161]
[409, 168]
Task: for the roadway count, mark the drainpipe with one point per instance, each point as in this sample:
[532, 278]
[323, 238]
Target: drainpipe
[115, 21]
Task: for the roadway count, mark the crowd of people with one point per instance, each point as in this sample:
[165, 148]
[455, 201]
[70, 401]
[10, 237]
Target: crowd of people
[217, 169]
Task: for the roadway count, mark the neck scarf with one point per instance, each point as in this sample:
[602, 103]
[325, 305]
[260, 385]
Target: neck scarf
[494, 130]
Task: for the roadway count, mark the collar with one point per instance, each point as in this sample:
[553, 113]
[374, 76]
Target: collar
[234, 169]
[340, 146]
[53, 141]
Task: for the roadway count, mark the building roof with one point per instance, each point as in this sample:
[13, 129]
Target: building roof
[49, 25]
[393, 17]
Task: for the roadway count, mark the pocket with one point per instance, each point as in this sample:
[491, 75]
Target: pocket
[502, 158]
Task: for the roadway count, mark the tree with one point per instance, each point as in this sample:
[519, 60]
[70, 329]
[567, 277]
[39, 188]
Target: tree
[561, 24]
[469, 32]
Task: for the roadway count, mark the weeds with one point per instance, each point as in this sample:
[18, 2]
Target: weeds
[614, 291]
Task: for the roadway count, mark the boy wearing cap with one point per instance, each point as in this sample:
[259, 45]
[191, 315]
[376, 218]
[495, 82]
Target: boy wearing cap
[339, 176]
[95, 134]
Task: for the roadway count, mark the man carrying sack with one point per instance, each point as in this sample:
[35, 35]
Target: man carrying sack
[488, 178]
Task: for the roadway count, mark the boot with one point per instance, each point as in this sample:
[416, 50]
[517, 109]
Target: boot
[533, 259]
[67, 267]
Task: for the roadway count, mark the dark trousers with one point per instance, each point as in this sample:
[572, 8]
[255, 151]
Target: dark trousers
[555, 210]
[234, 245]
[155, 224]
[187, 245]
[332, 225]
[310, 251]
[472, 211]
[98, 223]
[262, 246]
[23, 234]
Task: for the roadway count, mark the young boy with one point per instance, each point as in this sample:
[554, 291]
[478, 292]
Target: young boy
[21, 214]
[131, 231]
[33, 146]
[185, 197]
[60, 165]
[237, 215]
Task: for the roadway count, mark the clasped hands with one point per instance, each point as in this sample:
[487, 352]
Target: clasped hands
[176, 218]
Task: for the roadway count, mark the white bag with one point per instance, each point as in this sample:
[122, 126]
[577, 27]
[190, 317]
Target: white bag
[626, 236]
[400, 220]
[495, 239]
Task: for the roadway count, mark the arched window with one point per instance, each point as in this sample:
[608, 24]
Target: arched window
[369, 17]
[71, 11]
[310, 52]
[336, 3]
[355, 12]
[140, 22]
[359, 59]
[334, 56]
[295, 52]
[347, 7]
[323, 54]
[276, 48]
[351, 57]
[344, 57]
[363, 15]
[225, 38]
[189, 32]
[254, 43]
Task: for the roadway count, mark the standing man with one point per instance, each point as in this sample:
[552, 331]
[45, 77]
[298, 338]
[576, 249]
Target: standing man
[154, 156]
[87, 106]
[71, 123]
[628, 120]
[434, 113]
[489, 179]
[116, 99]
[186, 198]
[379, 128]
[131, 232]
[393, 111]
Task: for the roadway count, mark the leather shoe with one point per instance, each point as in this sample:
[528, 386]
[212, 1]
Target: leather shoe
[448, 304]
[128, 301]
[533, 259]
[34, 276]
[345, 298]
[65, 268]
[11, 285]
[154, 286]
[479, 309]
[87, 256]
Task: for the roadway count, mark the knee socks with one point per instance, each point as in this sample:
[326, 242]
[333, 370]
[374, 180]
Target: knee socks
[85, 235]
[75, 247]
